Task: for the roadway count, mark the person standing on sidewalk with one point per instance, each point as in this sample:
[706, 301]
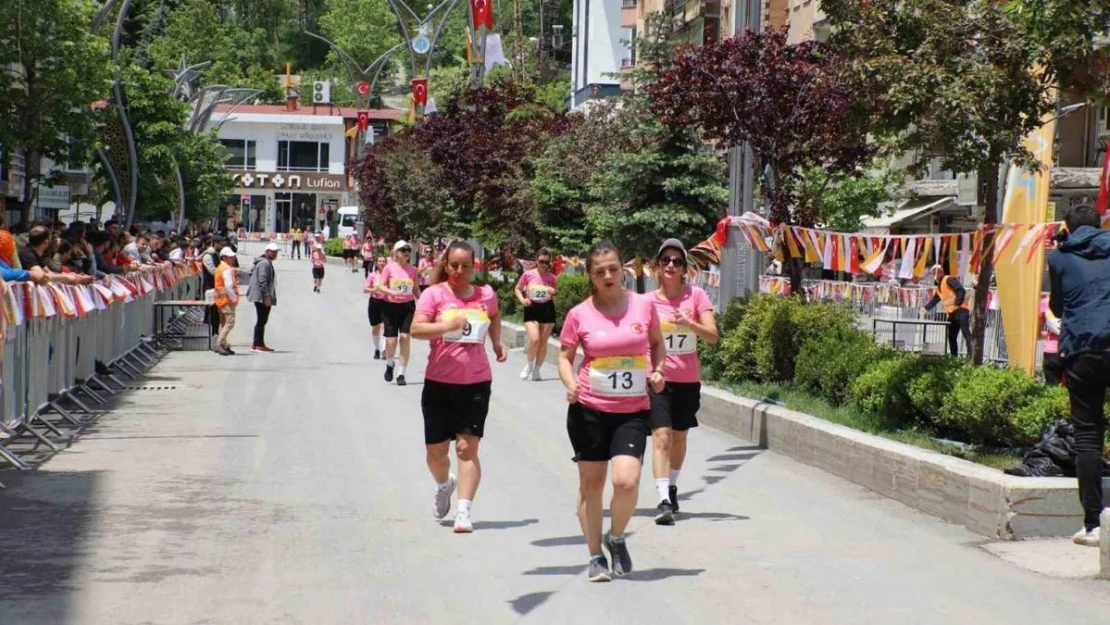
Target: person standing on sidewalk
[1079, 279]
[227, 298]
[262, 290]
[953, 296]
[685, 317]
[298, 237]
[609, 408]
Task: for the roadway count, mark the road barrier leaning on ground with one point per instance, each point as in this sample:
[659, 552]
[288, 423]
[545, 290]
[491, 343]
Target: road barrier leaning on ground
[63, 345]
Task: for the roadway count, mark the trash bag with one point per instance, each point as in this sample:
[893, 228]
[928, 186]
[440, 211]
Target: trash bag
[1053, 455]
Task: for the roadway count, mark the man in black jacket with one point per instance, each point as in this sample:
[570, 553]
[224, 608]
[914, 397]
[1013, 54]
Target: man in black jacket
[1079, 274]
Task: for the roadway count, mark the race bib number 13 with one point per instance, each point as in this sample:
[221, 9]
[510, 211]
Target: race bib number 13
[477, 325]
[619, 376]
[677, 339]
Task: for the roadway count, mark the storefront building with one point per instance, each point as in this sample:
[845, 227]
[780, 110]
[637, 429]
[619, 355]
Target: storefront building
[290, 165]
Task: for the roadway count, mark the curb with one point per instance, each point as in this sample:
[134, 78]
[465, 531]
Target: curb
[1104, 545]
[984, 500]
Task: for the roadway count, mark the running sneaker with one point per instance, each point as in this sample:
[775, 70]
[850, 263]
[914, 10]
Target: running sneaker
[462, 523]
[526, 372]
[401, 380]
[259, 349]
[267, 349]
[1086, 537]
[230, 352]
[664, 513]
[673, 492]
[442, 503]
[599, 569]
[618, 550]
[536, 375]
[389, 373]
[377, 354]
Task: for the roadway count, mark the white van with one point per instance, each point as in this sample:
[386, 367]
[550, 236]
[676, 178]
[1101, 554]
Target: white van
[349, 217]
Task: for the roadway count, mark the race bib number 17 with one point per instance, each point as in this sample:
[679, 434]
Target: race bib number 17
[677, 339]
[619, 376]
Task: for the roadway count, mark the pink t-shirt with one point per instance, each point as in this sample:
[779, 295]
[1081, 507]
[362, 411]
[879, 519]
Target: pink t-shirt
[399, 278]
[367, 251]
[459, 357]
[1051, 341]
[318, 258]
[425, 269]
[537, 288]
[372, 281]
[614, 373]
[351, 242]
[683, 365]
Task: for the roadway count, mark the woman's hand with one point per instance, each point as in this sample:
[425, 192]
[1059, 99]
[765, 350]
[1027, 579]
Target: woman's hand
[572, 393]
[657, 381]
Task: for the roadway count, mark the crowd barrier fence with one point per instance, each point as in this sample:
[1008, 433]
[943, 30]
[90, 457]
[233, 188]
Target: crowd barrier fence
[65, 348]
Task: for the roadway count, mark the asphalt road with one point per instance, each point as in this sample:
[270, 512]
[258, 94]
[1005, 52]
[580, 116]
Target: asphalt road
[291, 489]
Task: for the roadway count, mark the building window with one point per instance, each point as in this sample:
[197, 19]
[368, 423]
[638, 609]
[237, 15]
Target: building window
[241, 154]
[303, 156]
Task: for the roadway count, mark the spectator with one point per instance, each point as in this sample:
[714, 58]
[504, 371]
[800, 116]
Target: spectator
[953, 296]
[227, 298]
[262, 290]
[1079, 277]
[33, 254]
[102, 260]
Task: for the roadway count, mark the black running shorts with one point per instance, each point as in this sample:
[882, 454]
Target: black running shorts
[350, 253]
[599, 436]
[318, 273]
[454, 409]
[374, 311]
[676, 407]
[540, 313]
[398, 318]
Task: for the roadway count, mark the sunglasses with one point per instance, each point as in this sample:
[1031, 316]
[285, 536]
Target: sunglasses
[677, 261]
[407, 250]
[543, 262]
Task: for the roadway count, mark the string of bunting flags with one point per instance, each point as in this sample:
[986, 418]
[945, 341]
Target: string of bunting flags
[20, 301]
[867, 295]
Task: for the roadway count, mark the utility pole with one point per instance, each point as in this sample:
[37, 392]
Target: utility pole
[740, 267]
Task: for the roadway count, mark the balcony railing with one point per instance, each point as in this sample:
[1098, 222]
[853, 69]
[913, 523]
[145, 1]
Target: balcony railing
[628, 4]
[628, 63]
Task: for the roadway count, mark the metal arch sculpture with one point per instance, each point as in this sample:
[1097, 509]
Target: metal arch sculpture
[370, 73]
[119, 156]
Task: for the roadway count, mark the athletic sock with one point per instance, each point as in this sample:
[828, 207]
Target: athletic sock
[464, 505]
[389, 362]
[401, 370]
[444, 485]
[662, 487]
[674, 476]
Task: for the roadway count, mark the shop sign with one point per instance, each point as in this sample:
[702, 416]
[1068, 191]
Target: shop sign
[305, 132]
[285, 181]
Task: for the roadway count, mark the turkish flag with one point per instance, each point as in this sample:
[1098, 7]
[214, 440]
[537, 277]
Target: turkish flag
[419, 91]
[1103, 200]
[363, 120]
[483, 13]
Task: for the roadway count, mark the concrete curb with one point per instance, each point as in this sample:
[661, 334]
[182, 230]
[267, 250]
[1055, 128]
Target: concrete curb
[984, 500]
[1104, 545]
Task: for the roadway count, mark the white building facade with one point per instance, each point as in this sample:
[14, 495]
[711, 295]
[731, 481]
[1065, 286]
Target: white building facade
[600, 47]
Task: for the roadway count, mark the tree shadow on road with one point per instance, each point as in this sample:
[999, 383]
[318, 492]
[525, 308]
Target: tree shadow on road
[656, 575]
[526, 603]
[557, 570]
[495, 525]
[560, 541]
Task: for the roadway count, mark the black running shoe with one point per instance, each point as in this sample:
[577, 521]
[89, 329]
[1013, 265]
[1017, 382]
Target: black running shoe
[599, 569]
[673, 492]
[377, 354]
[401, 380]
[618, 550]
[389, 373]
[664, 513]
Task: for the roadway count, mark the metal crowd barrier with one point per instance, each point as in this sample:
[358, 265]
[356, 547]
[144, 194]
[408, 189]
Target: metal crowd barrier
[54, 370]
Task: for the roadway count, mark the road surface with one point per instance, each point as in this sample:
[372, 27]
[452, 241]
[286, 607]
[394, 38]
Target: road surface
[291, 489]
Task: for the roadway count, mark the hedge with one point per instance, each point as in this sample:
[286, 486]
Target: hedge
[819, 349]
[333, 247]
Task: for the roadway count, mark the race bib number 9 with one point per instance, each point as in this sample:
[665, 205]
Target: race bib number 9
[477, 325]
[403, 286]
[540, 294]
[619, 376]
[677, 339]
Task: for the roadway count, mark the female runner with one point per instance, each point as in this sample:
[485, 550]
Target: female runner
[536, 292]
[368, 255]
[457, 317]
[376, 305]
[685, 316]
[398, 284]
[607, 419]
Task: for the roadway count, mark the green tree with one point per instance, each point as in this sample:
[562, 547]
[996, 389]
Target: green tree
[51, 71]
[365, 29]
[841, 200]
[952, 79]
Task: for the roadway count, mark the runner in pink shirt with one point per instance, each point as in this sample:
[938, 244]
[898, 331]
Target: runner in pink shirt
[685, 317]
[607, 419]
[1053, 365]
[536, 292]
[427, 265]
[376, 305]
[457, 317]
[318, 262]
[398, 284]
[350, 251]
[368, 255]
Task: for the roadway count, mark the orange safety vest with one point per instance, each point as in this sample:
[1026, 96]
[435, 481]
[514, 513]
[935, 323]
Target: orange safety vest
[948, 297]
[221, 285]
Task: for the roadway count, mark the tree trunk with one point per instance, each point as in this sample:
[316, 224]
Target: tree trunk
[641, 284]
[986, 268]
[32, 165]
[793, 268]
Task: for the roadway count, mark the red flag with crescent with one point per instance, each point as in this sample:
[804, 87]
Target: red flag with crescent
[483, 13]
[420, 91]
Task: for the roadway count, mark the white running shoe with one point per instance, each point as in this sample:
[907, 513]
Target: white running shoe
[462, 523]
[526, 372]
[1085, 537]
[443, 497]
[536, 374]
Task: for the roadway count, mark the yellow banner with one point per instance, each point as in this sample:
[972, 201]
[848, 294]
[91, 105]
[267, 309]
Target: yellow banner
[1019, 282]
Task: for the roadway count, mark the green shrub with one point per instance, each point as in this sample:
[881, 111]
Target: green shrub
[570, 290]
[829, 364]
[1050, 405]
[333, 247]
[881, 391]
[711, 354]
[984, 404]
[932, 384]
[738, 346]
[506, 296]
